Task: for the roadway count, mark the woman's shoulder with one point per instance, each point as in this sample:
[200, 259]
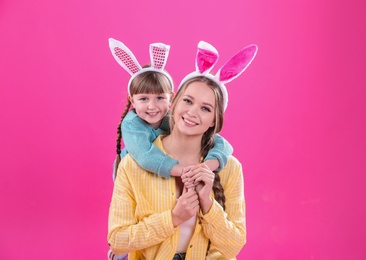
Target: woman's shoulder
[127, 162]
[233, 162]
[232, 169]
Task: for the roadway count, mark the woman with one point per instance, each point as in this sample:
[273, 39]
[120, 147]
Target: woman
[198, 216]
[146, 210]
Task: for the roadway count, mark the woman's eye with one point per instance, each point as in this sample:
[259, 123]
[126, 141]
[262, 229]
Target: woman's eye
[186, 100]
[206, 109]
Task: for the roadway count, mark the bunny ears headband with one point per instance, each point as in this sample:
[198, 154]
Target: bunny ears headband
[158, 57]
[207, 57]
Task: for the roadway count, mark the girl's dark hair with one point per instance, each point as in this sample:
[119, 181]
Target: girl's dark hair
[149, 82]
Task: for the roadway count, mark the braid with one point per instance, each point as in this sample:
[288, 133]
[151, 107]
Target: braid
[119, 131]
[219, 191]
[207, 144]
[119, 137]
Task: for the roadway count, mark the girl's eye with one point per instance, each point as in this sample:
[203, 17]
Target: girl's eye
[160, 98]
[143, 99]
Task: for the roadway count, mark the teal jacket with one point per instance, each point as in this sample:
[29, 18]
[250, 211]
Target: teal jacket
[138, 137]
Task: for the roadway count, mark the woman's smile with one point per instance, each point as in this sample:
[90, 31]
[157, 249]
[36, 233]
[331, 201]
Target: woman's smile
[188, 122]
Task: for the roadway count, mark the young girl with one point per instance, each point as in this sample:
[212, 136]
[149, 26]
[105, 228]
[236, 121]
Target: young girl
[150, 91]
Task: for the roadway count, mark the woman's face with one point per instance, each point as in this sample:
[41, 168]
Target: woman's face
[195, 111]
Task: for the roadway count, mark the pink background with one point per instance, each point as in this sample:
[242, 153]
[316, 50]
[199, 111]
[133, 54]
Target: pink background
[296, 118]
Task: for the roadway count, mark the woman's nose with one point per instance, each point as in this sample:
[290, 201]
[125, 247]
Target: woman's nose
[192, 111]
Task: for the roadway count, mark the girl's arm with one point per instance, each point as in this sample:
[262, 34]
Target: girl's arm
[217, 157]
[138, 138]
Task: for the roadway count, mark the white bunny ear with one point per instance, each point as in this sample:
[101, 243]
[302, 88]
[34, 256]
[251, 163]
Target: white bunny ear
[159, 55]
[237, 64]
[206, 57]
[124, 56]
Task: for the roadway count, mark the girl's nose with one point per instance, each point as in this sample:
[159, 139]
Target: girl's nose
[151, 104]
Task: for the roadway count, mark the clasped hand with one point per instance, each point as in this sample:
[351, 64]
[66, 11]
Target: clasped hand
[200, 178]
[198, 181]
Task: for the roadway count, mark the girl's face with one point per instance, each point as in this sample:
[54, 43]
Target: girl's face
[195, 111]
[151, 108]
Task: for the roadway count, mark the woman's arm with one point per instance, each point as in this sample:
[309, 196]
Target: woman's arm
[226, 229]
[134, 223]
[127, 233]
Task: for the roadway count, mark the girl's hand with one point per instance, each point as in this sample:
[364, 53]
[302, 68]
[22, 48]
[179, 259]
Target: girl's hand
[177, 170]
[187, 181]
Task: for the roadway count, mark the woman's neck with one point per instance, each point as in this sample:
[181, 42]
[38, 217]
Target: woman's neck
[185, 149]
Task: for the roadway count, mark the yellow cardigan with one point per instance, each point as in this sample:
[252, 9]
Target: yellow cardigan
[140, 220]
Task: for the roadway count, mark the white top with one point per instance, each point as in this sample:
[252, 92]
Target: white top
[186, 232]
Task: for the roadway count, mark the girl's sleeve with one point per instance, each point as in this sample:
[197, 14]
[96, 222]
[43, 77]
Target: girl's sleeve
[138, 138]
[221, 151]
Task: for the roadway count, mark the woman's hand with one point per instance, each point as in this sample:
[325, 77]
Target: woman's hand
[187, 206]
[202, 178]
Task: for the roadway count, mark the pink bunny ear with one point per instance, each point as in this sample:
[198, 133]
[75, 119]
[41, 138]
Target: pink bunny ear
[237, 64]
[159, 55]
[206, 57]
[124, 56]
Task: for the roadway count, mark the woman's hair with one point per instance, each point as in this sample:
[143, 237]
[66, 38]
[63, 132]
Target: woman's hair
[208, 137]
[149, 82]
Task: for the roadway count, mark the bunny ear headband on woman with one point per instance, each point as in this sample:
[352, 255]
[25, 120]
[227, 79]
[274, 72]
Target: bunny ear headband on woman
[207, 57]
[158, 57]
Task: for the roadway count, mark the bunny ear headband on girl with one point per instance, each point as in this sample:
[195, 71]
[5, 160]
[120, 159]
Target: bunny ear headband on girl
[207, 57]
[158, 57]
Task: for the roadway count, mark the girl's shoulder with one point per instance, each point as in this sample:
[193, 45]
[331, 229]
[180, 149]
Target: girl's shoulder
[131, 115]
[133, 119]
